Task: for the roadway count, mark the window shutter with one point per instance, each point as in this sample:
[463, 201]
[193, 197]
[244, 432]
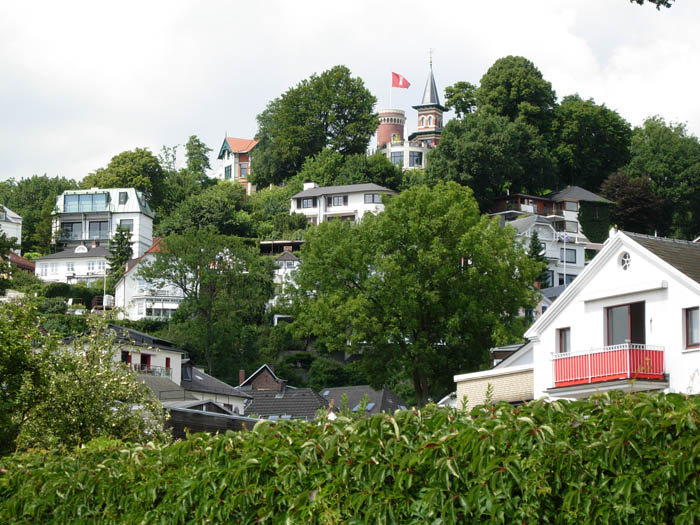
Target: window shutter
[345, 200]
[329, 201]
[314, 202]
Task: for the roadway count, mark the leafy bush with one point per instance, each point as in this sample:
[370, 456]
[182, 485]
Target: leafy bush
[611, 459]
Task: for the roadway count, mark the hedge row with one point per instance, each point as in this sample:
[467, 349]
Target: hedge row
[617, 459]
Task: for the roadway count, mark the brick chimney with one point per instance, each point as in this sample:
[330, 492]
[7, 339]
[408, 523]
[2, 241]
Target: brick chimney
[287, 248]
[241, 376]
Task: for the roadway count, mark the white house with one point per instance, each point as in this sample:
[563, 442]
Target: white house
[349, 202]
[78, 264]
[234, 155]
[84, 216]
[138, 299]
[11, 225]
[285, 265]
[629, 321]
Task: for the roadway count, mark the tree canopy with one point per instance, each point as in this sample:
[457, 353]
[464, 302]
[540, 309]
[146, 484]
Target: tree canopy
[418, 289]
[333, 109]
[138, 169]
[637, 206]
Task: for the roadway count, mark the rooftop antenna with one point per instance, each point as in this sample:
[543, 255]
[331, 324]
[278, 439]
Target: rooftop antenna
[430, 54]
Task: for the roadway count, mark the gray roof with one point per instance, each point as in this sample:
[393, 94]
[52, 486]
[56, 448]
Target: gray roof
[348, 188]
[199, 404]
[575, 193]
[384, 400]
[202, 382]
[131, 336]
[684, 256]
[287, 256]
[70, 253]
[136, 202]
[11, 216]
[522, 224]
[165, 389]
[299, 403]
[431, 95]
[553, 291]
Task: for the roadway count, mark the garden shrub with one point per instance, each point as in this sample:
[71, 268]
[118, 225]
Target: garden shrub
[610, 459]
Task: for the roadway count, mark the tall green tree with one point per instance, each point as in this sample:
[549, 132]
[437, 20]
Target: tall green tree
[222, 206]
[514, 88]
[638, 208]
[333, 109]
[591, 141]
[417, 290]
[670, 156]
[492, 155]
[536, 252]
[34, 199]
[197, 154]
[138, 169]
[226, 286]
[461, 97]
[120, 251]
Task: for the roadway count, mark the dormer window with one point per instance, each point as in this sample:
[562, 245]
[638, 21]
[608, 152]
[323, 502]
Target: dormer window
[123, 197]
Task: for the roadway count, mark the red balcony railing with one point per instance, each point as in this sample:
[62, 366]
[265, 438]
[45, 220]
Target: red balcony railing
[625, 361]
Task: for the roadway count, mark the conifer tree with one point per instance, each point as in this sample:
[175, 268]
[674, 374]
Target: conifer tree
[120, 251]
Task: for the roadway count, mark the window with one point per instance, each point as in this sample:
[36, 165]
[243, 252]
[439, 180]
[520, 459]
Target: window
[167, 362]
[70, 267]
[290, 264]
[43, 269]
[625, 324]
[415, 158]
[123, 197]
[571, 226]
[692, 327]
[71, 203]
[571, 206]
[373, 198]
[569, 279]
[53, 268]
[71, 231]
[338, 200]
[625, 260]
[227, 173]
[563, 340]
[99, 230]
[139, 308]
[91, 266]
[549, 281]
[430, 121]
[244, 170]
[308, 203]
[397, 158]
[422, 122]
[127, 224]
[88, 202]
[567, 255]
[126, 357]
[101, 266]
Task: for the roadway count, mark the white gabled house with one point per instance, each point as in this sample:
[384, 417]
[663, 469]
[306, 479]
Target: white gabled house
[11, 225]
[349, 202]
[138, 299]
[629, 321]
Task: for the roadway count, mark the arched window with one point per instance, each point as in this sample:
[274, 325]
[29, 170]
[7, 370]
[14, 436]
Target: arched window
[430, 121]
[422, 122]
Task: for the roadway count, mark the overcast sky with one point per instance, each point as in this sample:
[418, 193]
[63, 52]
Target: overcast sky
[83, 81]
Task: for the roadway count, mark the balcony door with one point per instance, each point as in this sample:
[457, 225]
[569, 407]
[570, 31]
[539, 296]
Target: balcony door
[625, 323]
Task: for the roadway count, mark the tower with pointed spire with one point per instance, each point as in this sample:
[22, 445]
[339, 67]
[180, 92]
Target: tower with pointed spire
[429, 114]
[412, 153]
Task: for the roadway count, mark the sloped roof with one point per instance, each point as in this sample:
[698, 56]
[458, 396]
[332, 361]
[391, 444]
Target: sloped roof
[235, 145]
[553, 292]
[165, 389]
[131, 336]
[202, 382]
[245, 385]
[133, 263]
[575, 193]
[522, 224]
[431, 95]
[684, 256]
[199, 404]
[348, 188]
[384, 400]
[21, 262]
[287, 256]
[70, 253]
[11, 216]
[299, 403]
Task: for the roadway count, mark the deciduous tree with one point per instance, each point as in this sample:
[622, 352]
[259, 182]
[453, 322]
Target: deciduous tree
[418, 289]
[461, 97]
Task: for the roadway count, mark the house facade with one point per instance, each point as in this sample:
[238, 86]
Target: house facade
[235, 158]
[349, 202]
[138, 299]
[555, 219]
[11, 225]
[84, 264]
[83, 217]
[630, 321]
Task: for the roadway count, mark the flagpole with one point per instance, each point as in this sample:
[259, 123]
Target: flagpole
[391, 81]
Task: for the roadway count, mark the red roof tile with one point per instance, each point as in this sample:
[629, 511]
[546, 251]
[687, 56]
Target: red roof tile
[241, 145]
[21, 262]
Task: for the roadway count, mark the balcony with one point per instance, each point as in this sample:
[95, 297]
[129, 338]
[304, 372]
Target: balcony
[610, 363]
[157, 371]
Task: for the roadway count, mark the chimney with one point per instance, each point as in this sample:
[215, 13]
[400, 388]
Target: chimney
[287, 248]
[308, 185]
[94, 244]
[241, 376]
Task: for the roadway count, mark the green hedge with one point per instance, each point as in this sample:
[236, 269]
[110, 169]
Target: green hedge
[618, 459]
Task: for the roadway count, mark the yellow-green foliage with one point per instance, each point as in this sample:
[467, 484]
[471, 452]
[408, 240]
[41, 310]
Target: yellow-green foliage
[617, 459]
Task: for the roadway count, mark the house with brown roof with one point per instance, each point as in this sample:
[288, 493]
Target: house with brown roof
[234, 155]
[139, 299]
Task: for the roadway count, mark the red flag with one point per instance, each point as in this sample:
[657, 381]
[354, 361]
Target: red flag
[399, 81]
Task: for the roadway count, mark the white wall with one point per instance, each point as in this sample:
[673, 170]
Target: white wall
[606, 284]
[356, 206]
[158, 359]
[12, 229]
[87, 270]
